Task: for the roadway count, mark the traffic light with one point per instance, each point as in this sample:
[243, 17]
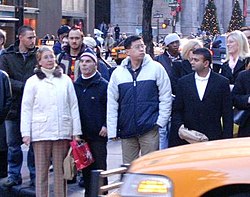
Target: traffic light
[166, 23]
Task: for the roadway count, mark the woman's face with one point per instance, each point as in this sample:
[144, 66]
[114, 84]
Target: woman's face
[47, 60]
[232, 45]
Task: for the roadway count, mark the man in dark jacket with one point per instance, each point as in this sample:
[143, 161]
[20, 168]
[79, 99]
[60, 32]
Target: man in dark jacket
[5, 102]
[91, 92]
[19, 61]
[170, 60]
[203, 100]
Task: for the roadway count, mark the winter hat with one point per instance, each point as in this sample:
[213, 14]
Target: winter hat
[171, 38]
[63, 29]
[90, 53]
[89, 41]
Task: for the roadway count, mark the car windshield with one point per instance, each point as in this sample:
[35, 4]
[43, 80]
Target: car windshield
[219, 42]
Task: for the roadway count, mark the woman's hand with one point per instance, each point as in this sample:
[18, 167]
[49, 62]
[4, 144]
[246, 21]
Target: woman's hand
[26, 140]
[77, 138]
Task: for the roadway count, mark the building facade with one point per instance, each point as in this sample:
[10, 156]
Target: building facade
[128, 14]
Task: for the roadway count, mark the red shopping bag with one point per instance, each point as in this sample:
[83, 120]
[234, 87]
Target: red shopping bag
[82, 155]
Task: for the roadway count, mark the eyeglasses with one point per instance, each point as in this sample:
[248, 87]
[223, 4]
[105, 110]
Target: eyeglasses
[138, 46]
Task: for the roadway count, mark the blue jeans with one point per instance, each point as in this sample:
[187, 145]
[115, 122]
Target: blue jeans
[163, 134]
[15, 154]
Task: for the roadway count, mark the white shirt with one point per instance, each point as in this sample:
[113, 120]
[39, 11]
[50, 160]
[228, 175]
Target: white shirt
[201, 84]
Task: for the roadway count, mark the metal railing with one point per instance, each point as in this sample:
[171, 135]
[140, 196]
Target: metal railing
[98, 188]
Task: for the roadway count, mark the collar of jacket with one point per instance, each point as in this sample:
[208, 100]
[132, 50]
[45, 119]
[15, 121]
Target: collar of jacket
[67, 50]
[57, 72]
[94, 80]
[14, 48]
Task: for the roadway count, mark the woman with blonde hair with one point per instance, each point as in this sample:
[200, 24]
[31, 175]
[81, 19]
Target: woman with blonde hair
[186, 53]
[49, 120]
[237, 51]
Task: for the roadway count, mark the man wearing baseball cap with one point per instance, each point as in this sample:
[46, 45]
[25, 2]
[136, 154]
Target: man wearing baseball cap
[169, 59]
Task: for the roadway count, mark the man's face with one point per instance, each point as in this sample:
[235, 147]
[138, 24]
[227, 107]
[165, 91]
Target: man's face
[87, 66]
[198, 63]
[65, 42]
[247, 33]
[137, 50]
[173, 47]
[28, 39]
[75, 39]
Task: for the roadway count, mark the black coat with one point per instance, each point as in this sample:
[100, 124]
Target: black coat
[5, 96]
[241, 93]
[19, 70]
[183, 69]
[227, 72]
[92, 101]
[169, 66]
[203, 116]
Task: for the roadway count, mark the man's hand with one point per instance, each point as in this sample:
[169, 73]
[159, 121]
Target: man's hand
[103, 132]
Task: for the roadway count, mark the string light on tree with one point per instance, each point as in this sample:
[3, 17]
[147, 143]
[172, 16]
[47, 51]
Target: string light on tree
[237, 18]
[210, 20]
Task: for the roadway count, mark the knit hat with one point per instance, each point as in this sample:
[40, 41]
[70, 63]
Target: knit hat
[171, 38]
[63, 29]
[89, 41]
[90, 53]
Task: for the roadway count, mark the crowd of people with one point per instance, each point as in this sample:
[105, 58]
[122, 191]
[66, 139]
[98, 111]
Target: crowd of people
[52, 96]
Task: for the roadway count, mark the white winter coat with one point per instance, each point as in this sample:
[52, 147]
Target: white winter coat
[50, 109]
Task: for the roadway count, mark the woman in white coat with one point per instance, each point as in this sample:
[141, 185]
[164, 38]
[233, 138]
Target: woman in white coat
[49, 120]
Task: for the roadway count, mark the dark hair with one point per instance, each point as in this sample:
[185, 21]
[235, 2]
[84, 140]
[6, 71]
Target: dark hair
[245, 28]
[129, 40]
[23, 29]
[205, 53]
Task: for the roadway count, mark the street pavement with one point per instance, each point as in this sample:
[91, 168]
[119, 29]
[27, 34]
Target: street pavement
[114, 160]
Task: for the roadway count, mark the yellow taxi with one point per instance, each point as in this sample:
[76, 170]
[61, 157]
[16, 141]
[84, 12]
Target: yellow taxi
[118, 53]
[209, 169]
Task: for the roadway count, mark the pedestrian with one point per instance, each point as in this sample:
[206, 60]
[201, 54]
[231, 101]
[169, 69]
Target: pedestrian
[5, 103]
[246, 31]
[139, 101]
[2, 41]
[241, 100]
[117, 32]
[108, 45]
[49, 124]
[203, 102]
[91, 91]
[69, 59]
[237, 51]
[18, 61]
[170, 59]
[61, 32]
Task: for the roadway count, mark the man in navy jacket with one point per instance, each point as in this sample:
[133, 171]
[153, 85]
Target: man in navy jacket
[202, 100]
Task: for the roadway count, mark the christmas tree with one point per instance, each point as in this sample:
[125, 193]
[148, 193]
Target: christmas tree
[210, 21]
[237, 19]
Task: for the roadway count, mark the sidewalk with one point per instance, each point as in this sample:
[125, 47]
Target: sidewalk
[114, 160]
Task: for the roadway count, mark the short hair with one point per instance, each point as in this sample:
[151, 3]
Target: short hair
[242, 41]
[128, 41]
[3, 36]
[23, 29]
[205, 53]
[41, 50]
[189, 46]
[76, 29]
